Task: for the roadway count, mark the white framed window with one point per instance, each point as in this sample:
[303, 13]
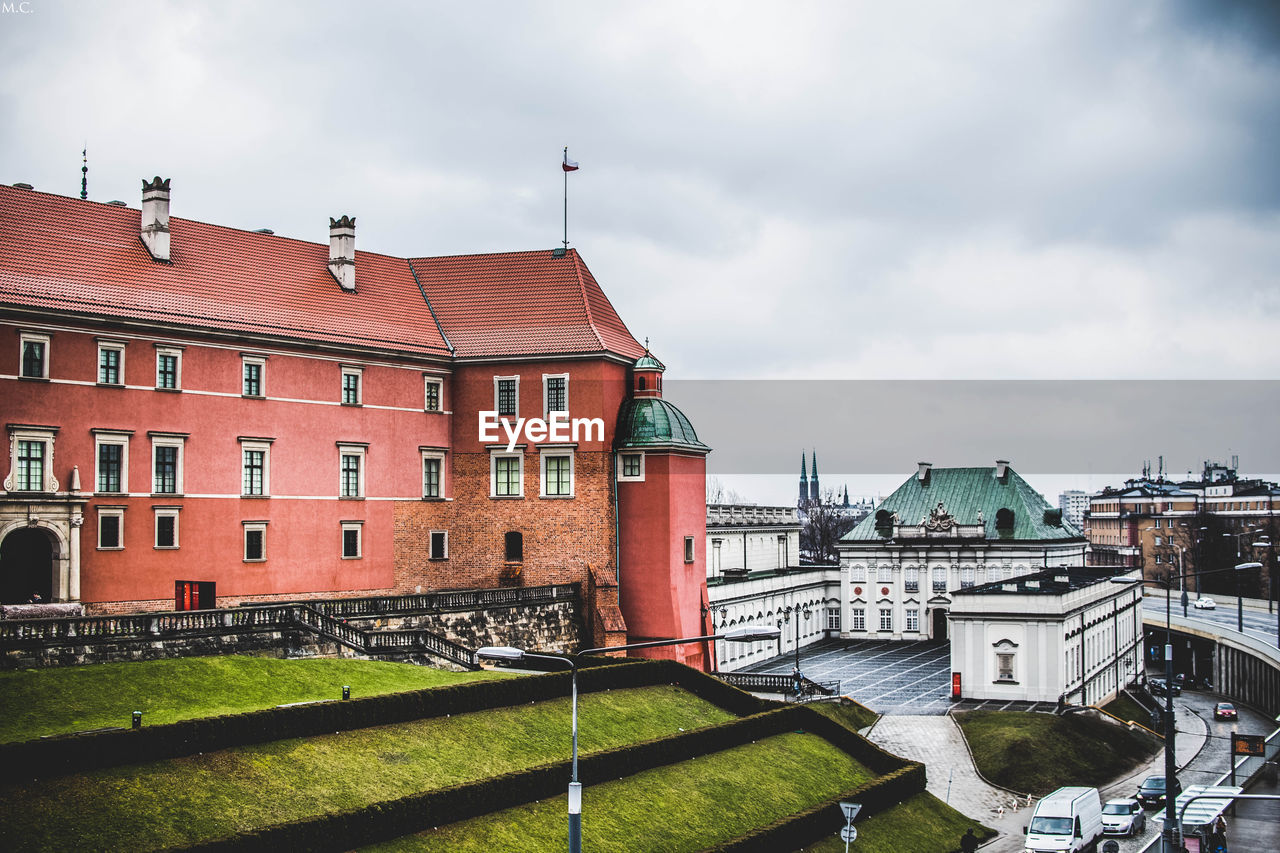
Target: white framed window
[439, 544]
[688, 549]
[966, 577]
[432, 473]
[166, 526]
[555, 393]
[255, 541]
[858, 616]
[255, 466]
[31, 459]
[939, 579]
[352, 390]
[631, 466]
[833, 618]
[352, 546]
[884, 573]
[110, 528]
[253, 375]
[110, 362]
[1006, 651]
[33, 352]
[351, 459]
[715, 554]
[506, 396]
[886, 619]
[557, 473]
[166, 462]
[168, 368]
[911, 579]
[858, 574]
[432, 394]
[111, 454]
[506, 474]
[913, 620]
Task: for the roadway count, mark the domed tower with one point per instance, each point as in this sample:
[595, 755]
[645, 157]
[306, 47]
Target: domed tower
[662, 520]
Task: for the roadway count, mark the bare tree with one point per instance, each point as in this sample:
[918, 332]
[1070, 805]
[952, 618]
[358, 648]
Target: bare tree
[718, 493]
[824, 522]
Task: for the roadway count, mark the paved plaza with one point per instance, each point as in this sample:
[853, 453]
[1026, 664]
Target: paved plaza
[887, 677]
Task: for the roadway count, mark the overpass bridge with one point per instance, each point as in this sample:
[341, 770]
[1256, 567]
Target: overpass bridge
[1243, 666]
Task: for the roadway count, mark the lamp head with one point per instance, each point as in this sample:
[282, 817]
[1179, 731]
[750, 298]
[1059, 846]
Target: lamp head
[508, 653]
[751, 633]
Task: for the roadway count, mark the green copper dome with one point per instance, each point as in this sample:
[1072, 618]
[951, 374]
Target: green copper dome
[653, 422]
[648, 362]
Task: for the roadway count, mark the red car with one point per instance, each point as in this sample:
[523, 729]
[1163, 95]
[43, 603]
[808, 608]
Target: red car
[1225, 711]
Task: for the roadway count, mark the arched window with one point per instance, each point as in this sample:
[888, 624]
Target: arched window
[884, 518]
[1004, 519]
[514, 540]
[640, 383]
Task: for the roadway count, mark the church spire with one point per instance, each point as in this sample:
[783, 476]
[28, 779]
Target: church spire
[804, 480]
[814, 493]
[84, 172]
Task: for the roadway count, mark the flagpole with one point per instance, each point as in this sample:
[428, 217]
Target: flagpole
[566, 201]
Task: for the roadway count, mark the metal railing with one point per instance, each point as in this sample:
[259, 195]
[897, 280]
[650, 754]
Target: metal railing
[776, 683]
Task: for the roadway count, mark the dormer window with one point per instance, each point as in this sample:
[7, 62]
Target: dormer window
[1004, 519]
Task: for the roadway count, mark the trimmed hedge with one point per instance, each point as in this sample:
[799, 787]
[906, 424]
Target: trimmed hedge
[34, 759]
[408, 815]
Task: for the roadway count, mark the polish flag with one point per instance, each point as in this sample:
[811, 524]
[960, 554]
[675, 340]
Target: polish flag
[569, 165]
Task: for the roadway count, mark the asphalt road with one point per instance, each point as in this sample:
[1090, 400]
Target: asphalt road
[1257, 623]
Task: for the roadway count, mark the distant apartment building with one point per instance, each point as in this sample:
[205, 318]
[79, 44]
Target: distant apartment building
[1073, 504]
[1187, 527]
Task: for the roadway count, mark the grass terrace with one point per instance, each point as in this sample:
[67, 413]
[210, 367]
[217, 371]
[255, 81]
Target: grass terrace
[35, 703]
[203, 797]
[1039, 753]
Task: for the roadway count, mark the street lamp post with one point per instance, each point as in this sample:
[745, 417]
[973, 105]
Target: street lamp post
[1170, 833]
[741, 634]
[787, 618]
[1240, 556]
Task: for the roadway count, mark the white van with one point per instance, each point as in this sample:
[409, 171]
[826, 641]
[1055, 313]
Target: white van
[1069, 819]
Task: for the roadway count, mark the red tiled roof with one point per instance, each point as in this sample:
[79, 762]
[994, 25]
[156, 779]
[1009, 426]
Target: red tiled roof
[522, 303]
[69, 254]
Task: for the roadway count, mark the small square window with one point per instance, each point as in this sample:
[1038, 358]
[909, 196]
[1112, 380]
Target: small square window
[168, 368]
[506, 396]
[166, 528]
[35, 355]
[688, 549]
[432, 397]
[351, 391]
[439, 545]
[255, 541]
[631, 466]
[110, 528]
[252, 376]
[351, 549]
[110, 364]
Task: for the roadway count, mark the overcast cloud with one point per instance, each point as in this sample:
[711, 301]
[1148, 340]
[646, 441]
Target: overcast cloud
[804, 189]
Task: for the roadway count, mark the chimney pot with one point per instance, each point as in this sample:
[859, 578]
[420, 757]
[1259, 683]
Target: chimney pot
[342, 251]
[155, 217]
[923, 474]
[1002, 469]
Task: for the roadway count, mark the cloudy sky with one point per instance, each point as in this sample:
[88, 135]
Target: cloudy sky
[837, 190]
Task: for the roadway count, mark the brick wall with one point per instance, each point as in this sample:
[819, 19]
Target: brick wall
[561, 536]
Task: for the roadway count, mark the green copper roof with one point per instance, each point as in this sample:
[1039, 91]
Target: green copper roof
[962, 492]
[648, 362]
[653, 422]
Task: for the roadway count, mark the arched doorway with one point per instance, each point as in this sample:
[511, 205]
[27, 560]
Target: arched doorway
[26, 566]
[939, 623]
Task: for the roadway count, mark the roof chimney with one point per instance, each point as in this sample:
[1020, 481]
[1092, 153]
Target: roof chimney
[342, 251]
[923, 474]
[1002, 469]
[155, 217]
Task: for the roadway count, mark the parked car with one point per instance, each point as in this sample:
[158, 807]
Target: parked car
[1123, 817]
[1159, 687]
[1204, 603]
[1225, 711]
[1153, 789]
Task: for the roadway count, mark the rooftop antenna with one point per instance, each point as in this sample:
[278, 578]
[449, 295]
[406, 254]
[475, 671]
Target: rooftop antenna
[84, 172]
[568, 166]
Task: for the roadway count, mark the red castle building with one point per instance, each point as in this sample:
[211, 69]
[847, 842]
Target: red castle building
[202, 416]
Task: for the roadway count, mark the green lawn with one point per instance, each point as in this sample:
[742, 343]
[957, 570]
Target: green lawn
[852, 716]
[1127, 709]
[922, 824]
[684, 806]
[1039, 753]
[202, 797]
[74, 698]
